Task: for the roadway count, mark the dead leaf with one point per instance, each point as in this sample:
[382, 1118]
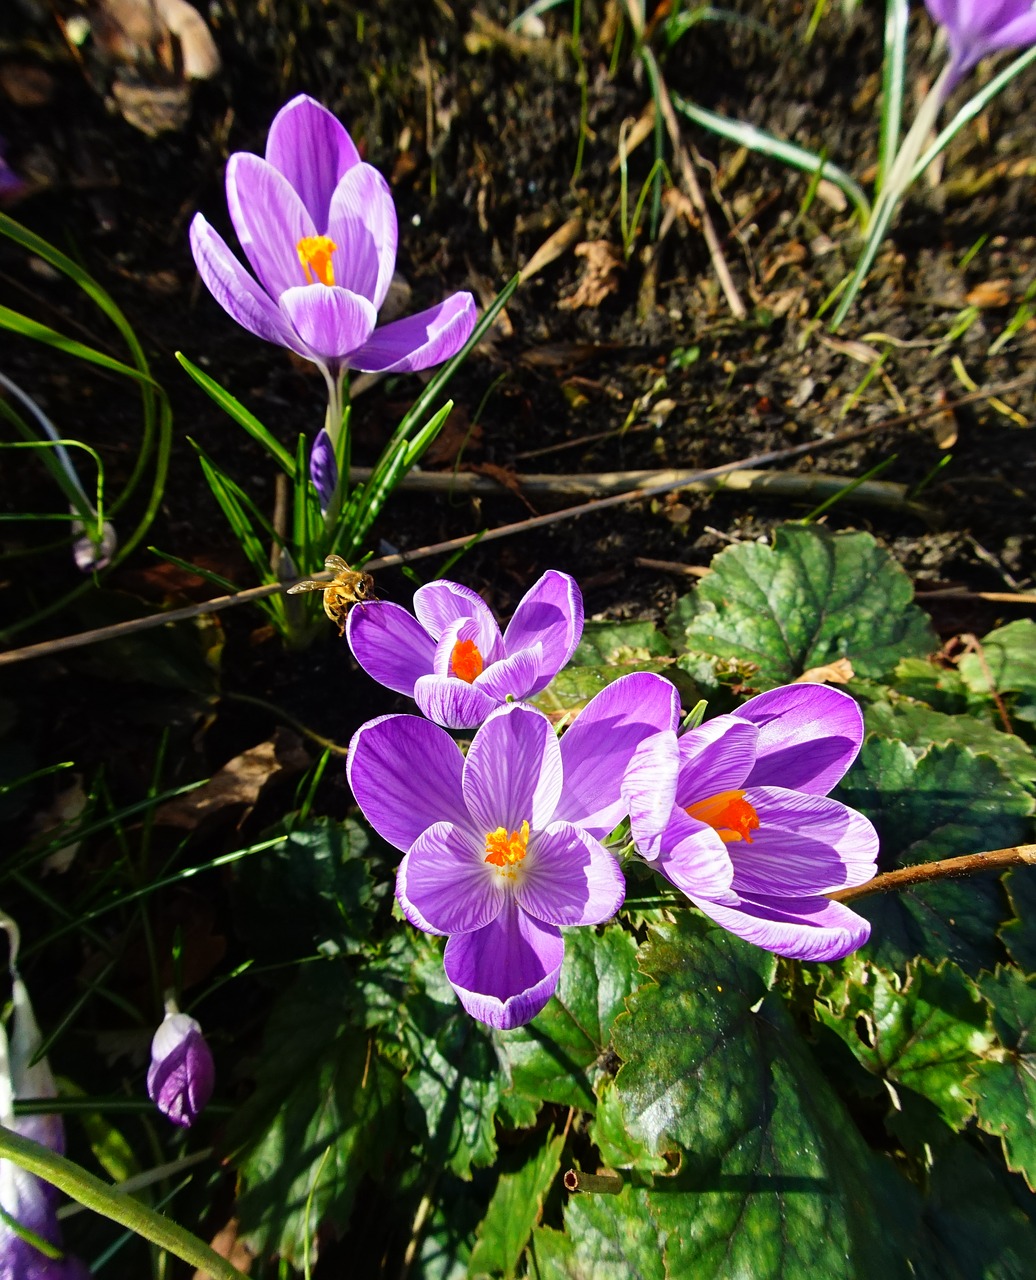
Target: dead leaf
[838, 672]
[66, 807]
[239, 783]
[990, 293]
[553, 247]
[456, 434]
[26, 86]
[600, 277]
[228, 1244]
[944, 425]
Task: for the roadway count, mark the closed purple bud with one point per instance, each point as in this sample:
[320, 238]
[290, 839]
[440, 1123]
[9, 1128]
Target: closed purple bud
[323, 469]
[182, 1074]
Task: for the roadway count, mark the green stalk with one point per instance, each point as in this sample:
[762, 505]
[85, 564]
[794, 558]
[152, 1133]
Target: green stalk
[103, 1199]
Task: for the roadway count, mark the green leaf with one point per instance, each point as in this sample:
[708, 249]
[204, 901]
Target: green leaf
[812, 597]
[1006, 664]
[453, 1085]
[620, 643]
[611, 1133]
[946, 802]
[605, 1238]
[776, 1181]
[323, 1115]
[1007, 1082]
[925, 1030]
[918, 726]
[514, 1210]
[557, 1057]
[312, 893]
[940, 687]
[1019, 935]
[236, 410]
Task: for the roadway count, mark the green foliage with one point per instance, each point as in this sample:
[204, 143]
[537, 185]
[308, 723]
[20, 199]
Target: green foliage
[1006, 1085]
[809, 599]
[1006, 664]
[514, 1210]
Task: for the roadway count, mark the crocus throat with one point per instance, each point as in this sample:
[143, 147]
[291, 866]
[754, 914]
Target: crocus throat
[315, 255]
[466, 661]
[728, 813]
[506, 849]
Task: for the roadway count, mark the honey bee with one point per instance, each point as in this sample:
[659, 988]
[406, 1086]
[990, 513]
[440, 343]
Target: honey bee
[348, 586]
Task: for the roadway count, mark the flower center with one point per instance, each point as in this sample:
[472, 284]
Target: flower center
[506, 849]
[315, 255]
[728, 813]
[466, 661]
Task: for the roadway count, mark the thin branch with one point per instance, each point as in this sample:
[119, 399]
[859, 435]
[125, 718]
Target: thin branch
[251, 595]
[947, 869]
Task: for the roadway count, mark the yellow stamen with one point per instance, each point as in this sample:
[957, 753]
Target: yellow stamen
[507, 849]
[315, 255]
[728, 813]
[466, 661]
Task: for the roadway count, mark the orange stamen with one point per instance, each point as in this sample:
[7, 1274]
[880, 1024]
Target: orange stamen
[315, 255]
[466, 661]
[506, 849]
[728, 813]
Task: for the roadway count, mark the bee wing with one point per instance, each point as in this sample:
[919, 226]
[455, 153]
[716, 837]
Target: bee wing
[335, 564]
[309, 585]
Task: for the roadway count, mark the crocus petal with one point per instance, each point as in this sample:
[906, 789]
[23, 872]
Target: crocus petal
[419, 341]
[236, 292]
[505, 973]
[568, 877]
[551, 615]
[694, 858]
[312, 149]
[270, 220]
[649, 789]
[1019, 31]
[809, 735]
[512, 677]
[598, 748]
[439, 604]
[453, 703]
[362, 224]
[390, 644]
[328, 320]
[512, 772]
[181, 1076]
[481, 629]
[717, 756]
[800, 928]
[444, 884]
[406, 775]
[804, 845]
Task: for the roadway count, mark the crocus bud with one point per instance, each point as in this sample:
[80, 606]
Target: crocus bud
[24, 1198]
[323, 469]
[182, 1073]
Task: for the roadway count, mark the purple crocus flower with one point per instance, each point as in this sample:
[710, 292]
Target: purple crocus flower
[736, 814]
[182, 1074]
[976, 28]
[27, 1199]
[502, 847]
[318, 227]
[453, 661]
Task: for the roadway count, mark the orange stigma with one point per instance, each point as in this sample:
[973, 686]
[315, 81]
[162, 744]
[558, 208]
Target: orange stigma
[506, 849]
[466, 661]
[728, 813]
[315, 255]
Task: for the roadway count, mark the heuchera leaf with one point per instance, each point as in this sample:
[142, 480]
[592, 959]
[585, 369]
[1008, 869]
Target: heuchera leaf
[1019, 935]
[452, 1088]
[323, 1115]
[942, 803]
[605, 1238]
[776, 1182]
[925, 1029]
[1008, 660]
[557, 1057]
[514, 1210]
[1007, 1084]
[812, 597]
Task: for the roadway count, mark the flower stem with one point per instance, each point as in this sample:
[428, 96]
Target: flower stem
[946, 869]
[106, 1200]
[607, 1184]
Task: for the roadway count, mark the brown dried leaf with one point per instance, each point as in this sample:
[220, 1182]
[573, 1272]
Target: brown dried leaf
[603, 262]
[990, 293]
[229, 1245]
[838, 672]
[239, 783]
[553, 247]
